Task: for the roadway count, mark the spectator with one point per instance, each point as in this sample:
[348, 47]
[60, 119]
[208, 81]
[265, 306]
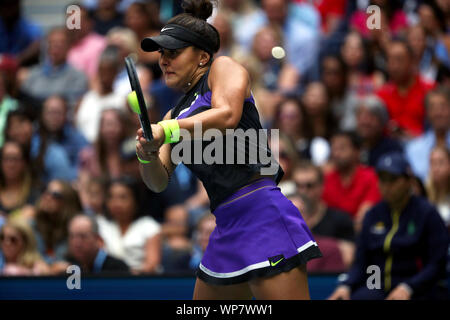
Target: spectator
[290, 119]
[85, 249]
[106, 16]
[228, 47]
[362, 77]
[54, 127]
[6, 105]
[321, 219]
[350, 186]
[203, 230]
[334, 75]
[371, 121]
[404, 93]
[86, 45]
[104, 158]
[424, 56]
[404, 236]
[54, 163]
[139, 20]
[19, 255]
[438, 182]
[93, 197]
[55, 75]
[20, 37]
[432, 18]
[87, 118]
[418, 150]
[56, 206]
[264, 69]
[129, 235]
[17, 183]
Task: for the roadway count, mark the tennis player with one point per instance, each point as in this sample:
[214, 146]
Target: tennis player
[261, 244]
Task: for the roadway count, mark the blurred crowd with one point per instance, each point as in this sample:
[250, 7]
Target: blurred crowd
[342, 94]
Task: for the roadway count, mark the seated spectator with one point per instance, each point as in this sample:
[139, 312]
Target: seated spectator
[138, 19]
[264, 70]
[55, 75]
[48, 164]
[106, 16]
[404, 93]
[129, 235]
[371, 121]
[438, 182]
[128, 43]
[86, 45]
[424, 56]
[319, 120]
[334, 75]
[290, 119]
[203, 230]
[54, 127]
[87, 118]
[85, 250]
[56, 206]
[104, 158]
[350, 186]
[393, 236]
[18, 187]
[20, 37]
[362, 77]
[322, 220]
[93, 196]
[19, 255]
[6, 105]
[418, 150]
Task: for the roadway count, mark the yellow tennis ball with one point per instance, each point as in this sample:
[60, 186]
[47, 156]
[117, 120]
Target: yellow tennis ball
[133, 102]
[278, 52]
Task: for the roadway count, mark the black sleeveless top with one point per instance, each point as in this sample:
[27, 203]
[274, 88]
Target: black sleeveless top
[222, 178]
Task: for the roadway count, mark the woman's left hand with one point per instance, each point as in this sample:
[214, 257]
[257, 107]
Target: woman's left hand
[150, 149]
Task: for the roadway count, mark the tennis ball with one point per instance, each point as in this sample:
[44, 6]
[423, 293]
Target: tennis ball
[278, 52]
[133, 102]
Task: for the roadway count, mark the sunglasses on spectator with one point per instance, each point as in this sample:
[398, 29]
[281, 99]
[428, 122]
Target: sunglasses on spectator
[306, 185]
[12, 239]
[55, 194]
[11, 158]
[388, 177]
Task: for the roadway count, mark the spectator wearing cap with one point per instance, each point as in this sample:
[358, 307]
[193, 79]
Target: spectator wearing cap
[418, 150]
[371, 121]
[350, 186]
[405, 91]
[404, 236]
[85, 249]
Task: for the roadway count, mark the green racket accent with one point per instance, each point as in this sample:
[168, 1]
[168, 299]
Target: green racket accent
[133, 102]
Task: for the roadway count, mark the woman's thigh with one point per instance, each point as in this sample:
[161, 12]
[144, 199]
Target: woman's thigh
[291, 285]
[206, 291]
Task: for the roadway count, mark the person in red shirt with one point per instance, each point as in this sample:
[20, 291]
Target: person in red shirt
[350, 186]
[405, 92]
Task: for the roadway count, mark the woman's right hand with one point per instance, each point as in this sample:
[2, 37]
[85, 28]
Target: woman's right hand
[341, 293]
[149, 150]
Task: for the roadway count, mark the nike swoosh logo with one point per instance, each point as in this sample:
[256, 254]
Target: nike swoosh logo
[273, 264]
[164, 29]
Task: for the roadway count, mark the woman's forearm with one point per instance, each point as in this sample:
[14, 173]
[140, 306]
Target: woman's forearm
[154, 175]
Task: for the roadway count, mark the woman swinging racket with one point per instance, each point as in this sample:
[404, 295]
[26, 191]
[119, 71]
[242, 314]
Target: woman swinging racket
[261, 243]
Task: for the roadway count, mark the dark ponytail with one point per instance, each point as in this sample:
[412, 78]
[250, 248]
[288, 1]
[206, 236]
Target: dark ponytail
[196, 12]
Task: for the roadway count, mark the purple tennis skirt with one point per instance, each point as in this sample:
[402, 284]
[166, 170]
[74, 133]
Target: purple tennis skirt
[259, 233]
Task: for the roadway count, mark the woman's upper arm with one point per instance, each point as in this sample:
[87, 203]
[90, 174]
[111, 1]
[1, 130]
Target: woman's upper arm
[230, 85]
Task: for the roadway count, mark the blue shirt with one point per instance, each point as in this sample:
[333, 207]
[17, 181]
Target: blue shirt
[20, 37]
[418, 152]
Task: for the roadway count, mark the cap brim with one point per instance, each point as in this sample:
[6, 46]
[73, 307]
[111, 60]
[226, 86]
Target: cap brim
[162, 41]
